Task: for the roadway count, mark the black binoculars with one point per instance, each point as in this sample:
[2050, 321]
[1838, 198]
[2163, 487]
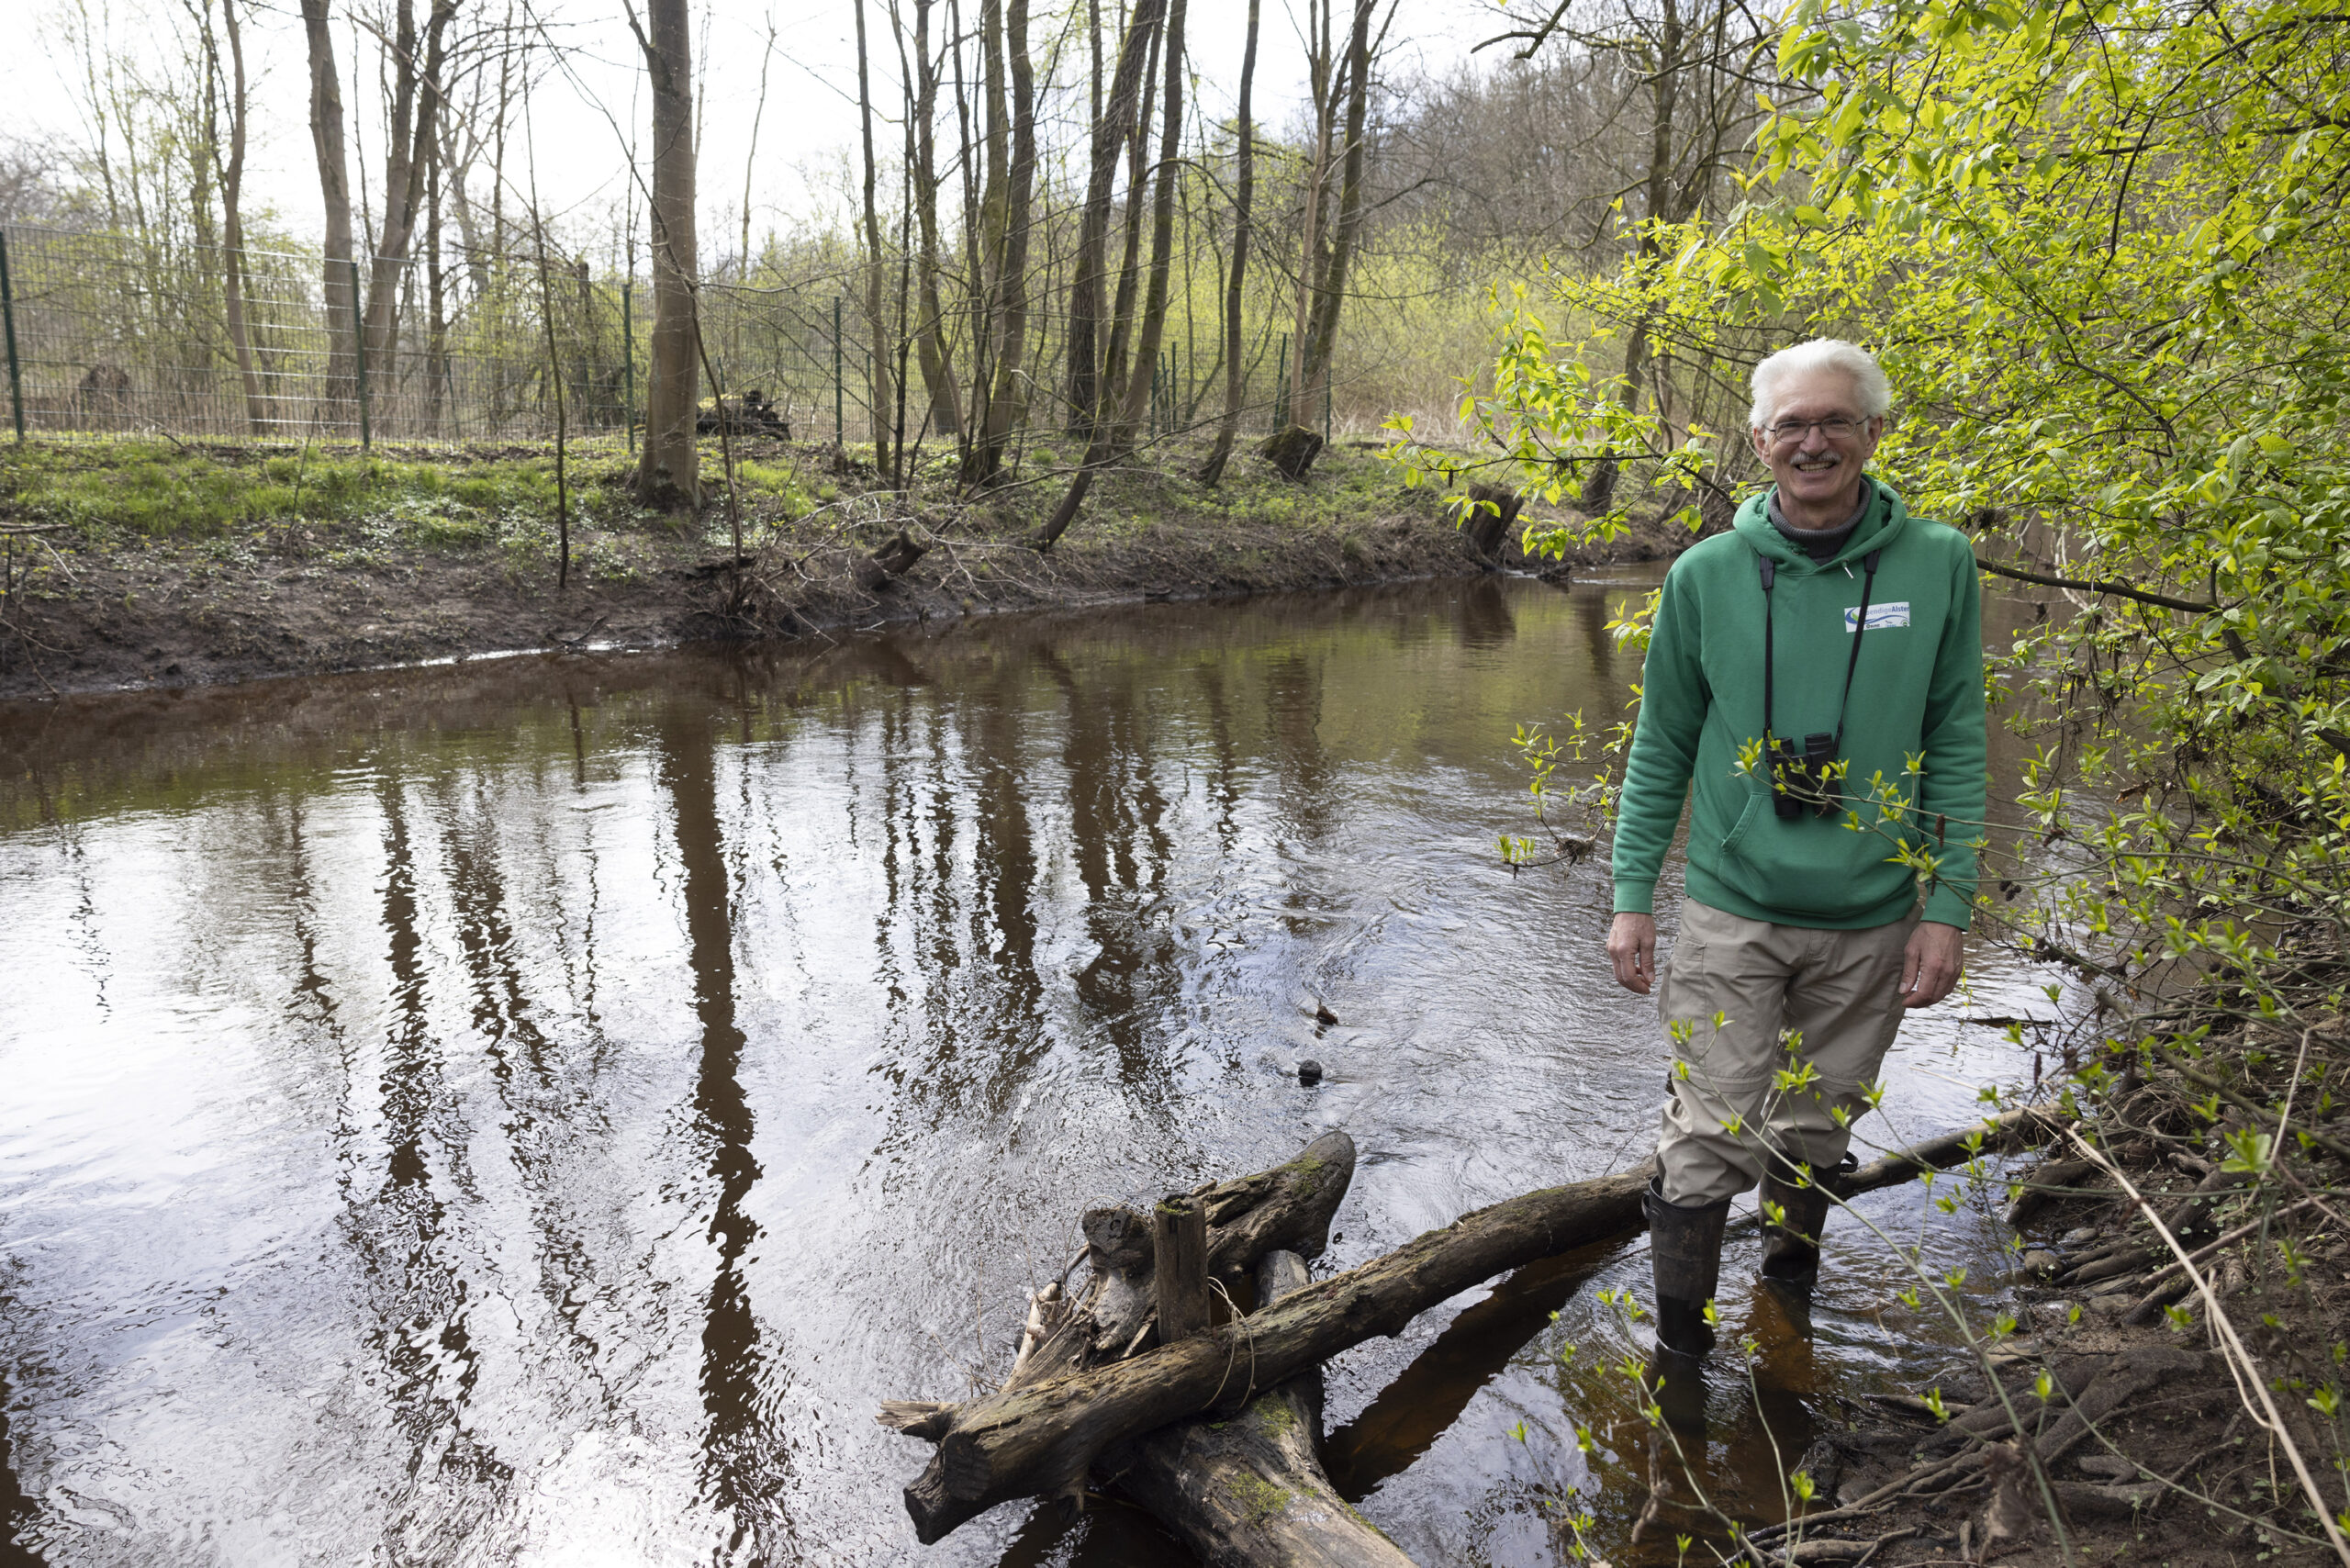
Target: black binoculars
[1800, 782]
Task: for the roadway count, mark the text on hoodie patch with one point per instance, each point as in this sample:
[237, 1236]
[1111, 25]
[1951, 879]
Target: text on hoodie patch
[1881, 616]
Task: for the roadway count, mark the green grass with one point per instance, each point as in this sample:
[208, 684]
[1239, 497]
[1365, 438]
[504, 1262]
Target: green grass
[770, 481]
[160, 490]
[132, 490]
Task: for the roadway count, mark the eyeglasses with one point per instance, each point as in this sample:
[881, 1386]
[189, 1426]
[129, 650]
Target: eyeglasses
[1786, 432]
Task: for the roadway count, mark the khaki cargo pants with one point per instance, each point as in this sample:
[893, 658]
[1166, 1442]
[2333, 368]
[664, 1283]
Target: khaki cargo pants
[1776, 1028]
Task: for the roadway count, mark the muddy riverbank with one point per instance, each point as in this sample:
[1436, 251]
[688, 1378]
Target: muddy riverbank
[450, 555]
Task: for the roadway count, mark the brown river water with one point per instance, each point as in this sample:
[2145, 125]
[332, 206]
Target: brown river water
[533, 1111]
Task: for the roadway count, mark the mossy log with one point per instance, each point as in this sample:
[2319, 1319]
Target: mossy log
[1040, 1435]
[1251, 1490]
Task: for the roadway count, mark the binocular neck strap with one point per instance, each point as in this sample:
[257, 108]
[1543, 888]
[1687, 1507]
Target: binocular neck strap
[1860, 627]
[1768, 570]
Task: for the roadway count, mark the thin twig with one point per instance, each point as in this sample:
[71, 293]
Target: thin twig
[2204, 1253]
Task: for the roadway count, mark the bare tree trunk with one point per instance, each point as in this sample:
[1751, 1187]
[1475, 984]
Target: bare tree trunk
[1114, 364]
[668, 472]
[408, 152]
[1111, 129]
[937, 362]
[1598, 489]
[232, 223]
[974, 261]
[751, 153]
[499, 128]
[1331, 292]
[554, 374]
[334, 193]
[461, 145]
[1162, 234]
[1243, 208]
[436, 283]
[1007, 399]
[990, 224]
[1323, 69]
[878, 324]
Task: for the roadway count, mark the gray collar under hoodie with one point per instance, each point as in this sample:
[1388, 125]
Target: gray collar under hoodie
[1821, 544]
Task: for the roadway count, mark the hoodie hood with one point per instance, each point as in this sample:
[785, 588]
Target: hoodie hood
[1886, 519]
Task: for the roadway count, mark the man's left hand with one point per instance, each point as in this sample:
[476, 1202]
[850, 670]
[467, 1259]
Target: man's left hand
[1932, 963]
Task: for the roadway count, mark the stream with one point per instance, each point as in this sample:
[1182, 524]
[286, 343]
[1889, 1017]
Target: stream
[534, 1110]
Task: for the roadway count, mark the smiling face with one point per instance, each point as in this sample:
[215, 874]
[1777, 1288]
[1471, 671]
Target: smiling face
[1819, 475]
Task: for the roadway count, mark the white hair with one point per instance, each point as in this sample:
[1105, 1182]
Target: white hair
[1870, 388]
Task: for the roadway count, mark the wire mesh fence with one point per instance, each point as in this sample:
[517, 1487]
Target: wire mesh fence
[111, 335]
[108, 336]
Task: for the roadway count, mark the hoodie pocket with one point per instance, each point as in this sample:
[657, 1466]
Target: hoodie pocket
[1734, 841]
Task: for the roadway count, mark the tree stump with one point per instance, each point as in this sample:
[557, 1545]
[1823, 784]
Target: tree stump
[1486, 517]
[892, 561]
[1292, 450]
[1179, 1268]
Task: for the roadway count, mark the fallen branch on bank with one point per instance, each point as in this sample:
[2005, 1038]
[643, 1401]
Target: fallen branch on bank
[1040, 1435]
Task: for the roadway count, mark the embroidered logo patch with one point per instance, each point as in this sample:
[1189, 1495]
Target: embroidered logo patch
[1882, 617]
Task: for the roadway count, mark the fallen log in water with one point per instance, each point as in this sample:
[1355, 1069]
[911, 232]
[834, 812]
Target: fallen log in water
[1252, 1490]
[1040, 1435]
[1287, 1208]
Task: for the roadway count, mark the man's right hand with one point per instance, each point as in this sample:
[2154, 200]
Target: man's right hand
[1632, 947]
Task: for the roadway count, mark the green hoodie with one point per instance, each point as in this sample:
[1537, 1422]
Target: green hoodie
[1916, 695]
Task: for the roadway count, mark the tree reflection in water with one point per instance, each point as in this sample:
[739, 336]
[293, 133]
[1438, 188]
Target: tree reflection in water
[534, 1110]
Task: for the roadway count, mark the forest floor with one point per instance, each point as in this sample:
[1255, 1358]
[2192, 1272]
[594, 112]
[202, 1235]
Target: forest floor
[2152, 1450]
[135, 562]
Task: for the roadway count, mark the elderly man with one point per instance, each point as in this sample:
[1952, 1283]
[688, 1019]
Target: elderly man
[1845, 637]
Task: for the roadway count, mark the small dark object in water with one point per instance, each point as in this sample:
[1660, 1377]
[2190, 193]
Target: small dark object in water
[1309, 1072]
[1322, 1016]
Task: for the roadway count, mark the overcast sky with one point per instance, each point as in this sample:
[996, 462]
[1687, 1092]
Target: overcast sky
[807, 133]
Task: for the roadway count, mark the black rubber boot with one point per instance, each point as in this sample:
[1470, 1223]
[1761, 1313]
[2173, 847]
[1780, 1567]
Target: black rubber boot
[1685, 1247]
[1677, 1384]
[1791, 1245]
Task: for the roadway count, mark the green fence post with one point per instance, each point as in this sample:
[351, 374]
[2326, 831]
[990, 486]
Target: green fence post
[840, 428]
[8, 316]
[1326, 410]
[359, 347]
[628, 370]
